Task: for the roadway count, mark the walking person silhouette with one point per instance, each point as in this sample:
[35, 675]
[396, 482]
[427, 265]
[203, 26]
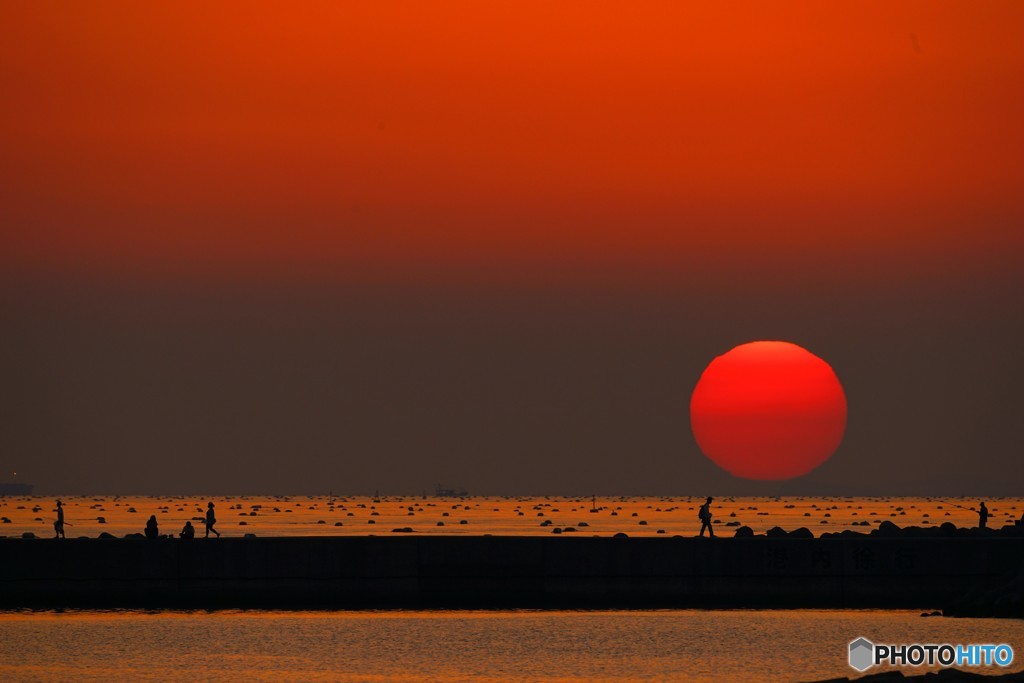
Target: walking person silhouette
[982, 516]
[58, 526]
[210, 520]
[705, 518]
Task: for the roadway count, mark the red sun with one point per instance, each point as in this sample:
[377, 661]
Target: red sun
[768, 410]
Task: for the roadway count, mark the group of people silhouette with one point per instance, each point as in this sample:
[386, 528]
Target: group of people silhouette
[188, 531]
[152, 530]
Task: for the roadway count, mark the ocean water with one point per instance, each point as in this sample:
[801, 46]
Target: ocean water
[685, 645]
[519, 516]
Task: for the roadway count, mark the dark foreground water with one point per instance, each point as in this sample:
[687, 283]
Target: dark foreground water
[676, 645]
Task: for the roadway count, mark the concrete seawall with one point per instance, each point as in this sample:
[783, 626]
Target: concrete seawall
[484, 572]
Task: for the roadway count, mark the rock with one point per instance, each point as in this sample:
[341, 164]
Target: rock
[744, 532]
[28, 535]
[250, 535]
[338, 524]
[556, 530]
[732, 523]
[620, 535]
[887, 529]
[402, 530]
[776, 532]
[802, 532]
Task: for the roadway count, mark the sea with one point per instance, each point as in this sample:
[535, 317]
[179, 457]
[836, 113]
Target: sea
[485, 646]
[473, 646]
[329, 515]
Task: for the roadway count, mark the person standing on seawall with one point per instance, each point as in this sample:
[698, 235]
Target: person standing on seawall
[705, 518]
[210, 520]
[58, 526]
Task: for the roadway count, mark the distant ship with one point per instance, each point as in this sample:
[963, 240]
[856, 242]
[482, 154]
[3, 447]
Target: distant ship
[12, 489]
[442, 492]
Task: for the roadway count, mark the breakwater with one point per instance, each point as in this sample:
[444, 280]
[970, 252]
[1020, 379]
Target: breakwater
[495, 571]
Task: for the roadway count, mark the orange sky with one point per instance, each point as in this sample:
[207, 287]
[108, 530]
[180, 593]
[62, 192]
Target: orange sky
[375, 138]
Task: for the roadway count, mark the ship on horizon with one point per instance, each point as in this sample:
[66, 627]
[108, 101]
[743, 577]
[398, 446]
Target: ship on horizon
[10, 488]
[442, 492]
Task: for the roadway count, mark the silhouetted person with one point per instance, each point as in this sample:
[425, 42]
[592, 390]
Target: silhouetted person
[58, 526]
[705, 518]
[210, 520]
[982, 516]
[188, 531]
[152, 530]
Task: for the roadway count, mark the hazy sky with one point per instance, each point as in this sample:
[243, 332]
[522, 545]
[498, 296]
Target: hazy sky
[276, 248]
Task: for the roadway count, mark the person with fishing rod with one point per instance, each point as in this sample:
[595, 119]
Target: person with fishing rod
[982, 512]
[58, 525]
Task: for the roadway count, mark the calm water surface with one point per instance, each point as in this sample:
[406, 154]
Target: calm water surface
[685, 645]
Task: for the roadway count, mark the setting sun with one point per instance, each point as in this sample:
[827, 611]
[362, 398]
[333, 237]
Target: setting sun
[768, 410]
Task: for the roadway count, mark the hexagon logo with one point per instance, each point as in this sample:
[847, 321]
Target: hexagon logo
[862, 654]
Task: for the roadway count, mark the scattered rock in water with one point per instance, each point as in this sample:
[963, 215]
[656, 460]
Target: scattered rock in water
[28, 535]
[338, 524]
[732, 523]
[101, 520]
[249, 535]
[243, 524]
[463, 521]
[620, 535]
[402, 530]
[556, 530]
